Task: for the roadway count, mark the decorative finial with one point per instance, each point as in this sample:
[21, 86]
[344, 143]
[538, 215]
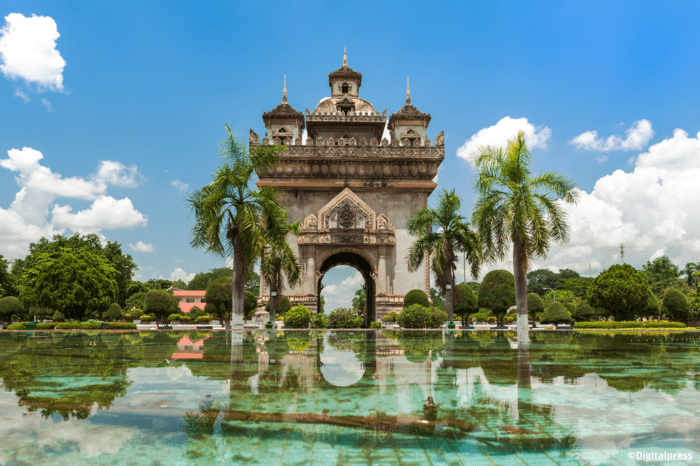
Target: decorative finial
[408, 92]
[284, 92]
[345, 56]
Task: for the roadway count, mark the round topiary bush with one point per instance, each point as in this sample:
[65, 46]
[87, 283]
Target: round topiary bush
[535, 304]
[621, 289]
[555, 313]
[416, 297]
[497, 292]
[571, 307]
[652, 308]
[676, 305]
[390, 317]
[584, 311]
[319, 321]
[417, 316]
[465, 302]
[113, 313]
[10, 306]
[297, 317]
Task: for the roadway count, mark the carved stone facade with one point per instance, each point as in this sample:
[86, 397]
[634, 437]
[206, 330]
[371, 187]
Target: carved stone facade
[352, 190]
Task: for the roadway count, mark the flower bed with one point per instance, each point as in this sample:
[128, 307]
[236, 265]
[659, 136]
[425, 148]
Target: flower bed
[627, 324]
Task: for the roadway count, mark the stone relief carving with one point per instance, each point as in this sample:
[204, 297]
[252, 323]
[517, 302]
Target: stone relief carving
[310, 222]
[254, 138]
[360, 208]
[373, 142]
[440, 139]
[383, 223]
[363, 142]
[266, 141]
[346, 216]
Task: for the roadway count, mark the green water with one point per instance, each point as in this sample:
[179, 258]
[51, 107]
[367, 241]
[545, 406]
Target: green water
[327, 398]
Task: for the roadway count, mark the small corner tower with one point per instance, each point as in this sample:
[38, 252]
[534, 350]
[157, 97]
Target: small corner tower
[409, 124]
[284, 124]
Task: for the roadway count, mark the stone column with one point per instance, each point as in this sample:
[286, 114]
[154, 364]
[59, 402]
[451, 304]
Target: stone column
[310, 287]
[381, 270]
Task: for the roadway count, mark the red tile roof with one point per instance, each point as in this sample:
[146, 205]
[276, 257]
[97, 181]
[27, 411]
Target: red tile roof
[195, 293]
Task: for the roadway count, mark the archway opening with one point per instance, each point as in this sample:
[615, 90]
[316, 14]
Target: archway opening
[347, 288]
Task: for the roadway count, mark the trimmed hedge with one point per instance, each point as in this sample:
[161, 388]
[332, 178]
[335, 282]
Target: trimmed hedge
[75, 326]
[298, 317]
[627, 324]
[417, 316]
[416, 297]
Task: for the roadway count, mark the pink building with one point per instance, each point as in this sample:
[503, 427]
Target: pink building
[187, 299]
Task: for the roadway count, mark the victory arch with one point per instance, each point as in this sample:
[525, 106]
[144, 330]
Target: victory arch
[352, 190]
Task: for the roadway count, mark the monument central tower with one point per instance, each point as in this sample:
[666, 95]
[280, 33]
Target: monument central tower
[352, 187]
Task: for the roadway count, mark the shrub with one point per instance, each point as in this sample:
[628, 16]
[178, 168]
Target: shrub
[628, 324]
[134, 313]
[465, 301]
[114, 312]
[416, 297]
[79, 326]
[534, 304]
[584, 311]
[10, 306]
[511, 317]
[174, 317]
[417, 316]
[571, 307]
[481, 316]
[652, 308]
[282, 308]
[491, 319]
[319, 321]
[250, 303]
[344, 317]
[663, 324]
[185, 319]
[621, 289]
[16, 326]
[198, 311]
[122, 325]
[555, 314]
[148, 318]
[676, 305]
[45, 326]
[58, 316]
[205, 319]
[160, 303]
[497, 292]
[390, 317]
[297, 317]
[375, 325]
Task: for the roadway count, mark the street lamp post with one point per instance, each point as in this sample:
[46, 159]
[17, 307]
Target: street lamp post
[554, 294]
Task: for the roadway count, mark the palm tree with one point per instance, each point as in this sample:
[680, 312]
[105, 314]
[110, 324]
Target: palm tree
[691, 273]
[515, 207]
[443, 233]
[279, 260]
[228, 212]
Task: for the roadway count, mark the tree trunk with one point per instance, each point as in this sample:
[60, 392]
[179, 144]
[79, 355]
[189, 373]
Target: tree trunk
[520, 275]
[274, 285]
[449, 295]
[240, 272]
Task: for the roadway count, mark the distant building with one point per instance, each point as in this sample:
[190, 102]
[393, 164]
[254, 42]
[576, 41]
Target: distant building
[187, 299]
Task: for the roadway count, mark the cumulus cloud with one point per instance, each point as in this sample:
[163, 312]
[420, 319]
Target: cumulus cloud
[142, 247]
[180, 186]
[499, 134]
[22, 95]
[26, 220]
[652, 210]
[28, 51]
[636, 138]
[179, 274]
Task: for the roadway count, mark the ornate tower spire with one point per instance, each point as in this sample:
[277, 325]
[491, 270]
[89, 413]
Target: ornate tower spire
[408, 92]
[284, 92]
[345, 56]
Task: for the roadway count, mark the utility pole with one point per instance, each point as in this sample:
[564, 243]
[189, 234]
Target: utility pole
[622, 252]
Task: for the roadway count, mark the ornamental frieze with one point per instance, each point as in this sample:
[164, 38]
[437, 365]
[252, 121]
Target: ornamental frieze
[387, 239]
[353, 169]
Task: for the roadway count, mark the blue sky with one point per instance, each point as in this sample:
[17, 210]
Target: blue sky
[120, 107]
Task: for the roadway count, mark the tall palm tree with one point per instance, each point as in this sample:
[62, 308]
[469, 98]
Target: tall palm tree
[278, 260]
[515, 207]
[691, 273]
[443, 233]
[228, 212]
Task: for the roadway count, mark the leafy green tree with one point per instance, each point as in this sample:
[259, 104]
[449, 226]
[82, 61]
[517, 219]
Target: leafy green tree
[444, 233]
[621, 289]
[251, 303]
[218, 294]
[114, 312]
[180, 285]
[563, 296]
[555, 313]
[497, 293]
[76, 281]
[652, 306]
[578, 286]
[676, 305]
[535, 305]
[571, 307]
[540, 281]
[415, 297]
[514, 207]
[253, 283]
[465, 305]
[568, 274]
[158, 284]
[124, 266]
[343, 317]
[358, 301]
[201, 280]
[161, 304]
[10, 306]
[661, 273]
[584, 311]
[136, 300]
[691, 272]
[6, 285]
[284, 305]
[298, 317]
[58, 316]
[437, 298]
[228, 212]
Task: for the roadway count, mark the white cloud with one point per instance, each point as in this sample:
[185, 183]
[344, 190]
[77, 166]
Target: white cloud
[105, 213]
[26, 220]
[179, 274]
[28, 51]
[22, 95]
[499, 134]
[637, 137]
[652, 210]
[180, 186]
[140, 246]
[46, 104]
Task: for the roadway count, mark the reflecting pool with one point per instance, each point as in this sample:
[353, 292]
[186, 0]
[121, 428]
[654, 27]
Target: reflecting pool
[362, 397]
